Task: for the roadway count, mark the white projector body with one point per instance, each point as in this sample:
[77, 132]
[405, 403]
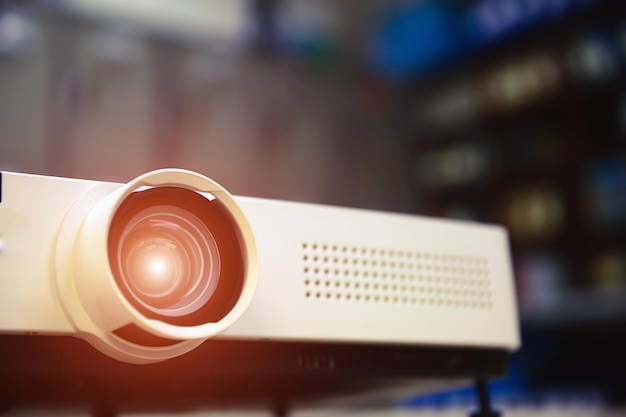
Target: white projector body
[304, 272]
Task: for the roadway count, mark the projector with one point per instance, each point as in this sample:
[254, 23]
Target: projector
[171, 262]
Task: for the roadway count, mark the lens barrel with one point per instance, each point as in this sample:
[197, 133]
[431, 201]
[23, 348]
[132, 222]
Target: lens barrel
[176, 255]
[146, 271]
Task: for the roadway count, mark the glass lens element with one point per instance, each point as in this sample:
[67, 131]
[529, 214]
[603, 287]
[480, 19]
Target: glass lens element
[169, 260]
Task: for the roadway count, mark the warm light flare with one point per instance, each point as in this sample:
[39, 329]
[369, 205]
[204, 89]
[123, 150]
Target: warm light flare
[157, 272]
[158, 267]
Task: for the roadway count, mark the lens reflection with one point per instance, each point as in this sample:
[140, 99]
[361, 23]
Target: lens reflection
[169, 260]
[154, 266]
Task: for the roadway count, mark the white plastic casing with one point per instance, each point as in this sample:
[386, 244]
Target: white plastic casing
[323, 273]
[348, 275]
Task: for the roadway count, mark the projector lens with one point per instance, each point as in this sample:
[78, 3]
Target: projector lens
[176, 255]
[169, 260]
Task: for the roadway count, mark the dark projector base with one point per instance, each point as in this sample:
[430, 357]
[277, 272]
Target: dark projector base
[49, 372]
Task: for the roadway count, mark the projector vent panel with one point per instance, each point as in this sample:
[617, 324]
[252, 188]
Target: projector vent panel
[342, 273]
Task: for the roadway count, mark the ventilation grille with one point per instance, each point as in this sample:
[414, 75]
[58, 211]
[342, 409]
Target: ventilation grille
[339, 273]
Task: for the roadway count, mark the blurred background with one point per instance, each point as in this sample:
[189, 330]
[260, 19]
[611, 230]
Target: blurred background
[507, 111]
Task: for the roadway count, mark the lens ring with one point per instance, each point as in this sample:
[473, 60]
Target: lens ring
[208, 224]
[169, 260]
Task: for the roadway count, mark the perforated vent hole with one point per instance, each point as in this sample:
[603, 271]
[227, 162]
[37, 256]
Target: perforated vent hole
[345, 273]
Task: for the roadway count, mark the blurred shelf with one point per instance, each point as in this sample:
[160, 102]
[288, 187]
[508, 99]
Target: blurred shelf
[529, 132]
[578, 307]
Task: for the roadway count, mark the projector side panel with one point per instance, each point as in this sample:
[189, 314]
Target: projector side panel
[334, 274]
[31, 211]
